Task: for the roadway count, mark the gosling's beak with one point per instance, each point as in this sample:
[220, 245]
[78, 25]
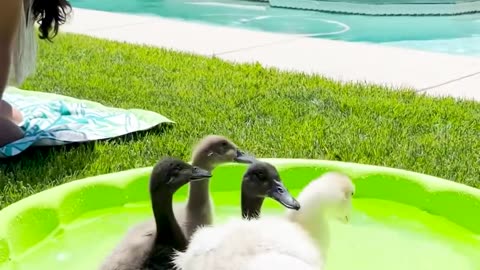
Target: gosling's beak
[241, 157]
[199, 174]
[281, 194]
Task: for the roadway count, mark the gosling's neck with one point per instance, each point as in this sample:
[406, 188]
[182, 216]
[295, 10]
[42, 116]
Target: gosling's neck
[312, 218]
[251, 206]
[169, 233]
[198, 192]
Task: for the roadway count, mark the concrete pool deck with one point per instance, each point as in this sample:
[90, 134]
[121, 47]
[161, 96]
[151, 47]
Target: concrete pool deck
[426, 72]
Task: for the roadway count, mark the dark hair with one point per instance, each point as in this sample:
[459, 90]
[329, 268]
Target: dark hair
[50, 14]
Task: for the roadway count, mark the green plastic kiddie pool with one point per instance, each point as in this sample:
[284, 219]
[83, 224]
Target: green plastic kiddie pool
[401, 220]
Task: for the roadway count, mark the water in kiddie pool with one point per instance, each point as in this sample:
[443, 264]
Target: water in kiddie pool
[381, 235]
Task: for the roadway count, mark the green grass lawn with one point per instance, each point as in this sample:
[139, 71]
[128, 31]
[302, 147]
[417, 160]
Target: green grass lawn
[267, 112]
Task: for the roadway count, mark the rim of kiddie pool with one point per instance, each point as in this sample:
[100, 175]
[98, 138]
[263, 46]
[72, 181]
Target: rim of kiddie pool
[432, 194]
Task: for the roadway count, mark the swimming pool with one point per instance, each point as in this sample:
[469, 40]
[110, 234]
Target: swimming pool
[447, 34]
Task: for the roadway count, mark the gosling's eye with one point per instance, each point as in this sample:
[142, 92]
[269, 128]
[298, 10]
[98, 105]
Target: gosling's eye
[352, 193]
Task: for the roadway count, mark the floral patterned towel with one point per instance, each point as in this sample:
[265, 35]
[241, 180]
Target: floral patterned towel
[51, 119]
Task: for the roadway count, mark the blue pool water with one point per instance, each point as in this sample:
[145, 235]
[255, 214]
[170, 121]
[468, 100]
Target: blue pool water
[447, 34]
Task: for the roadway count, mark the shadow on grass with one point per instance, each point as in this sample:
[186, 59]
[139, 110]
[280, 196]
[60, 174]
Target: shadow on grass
[49, 161]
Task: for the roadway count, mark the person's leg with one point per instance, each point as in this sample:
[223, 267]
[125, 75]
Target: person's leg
[10, 20]
[9, 120]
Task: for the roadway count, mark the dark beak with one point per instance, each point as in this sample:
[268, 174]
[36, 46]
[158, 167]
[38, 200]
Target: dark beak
[281, 194]
[244, 158]
[199, 174]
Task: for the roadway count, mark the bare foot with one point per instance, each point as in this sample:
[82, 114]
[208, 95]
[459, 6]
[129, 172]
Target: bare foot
[9, 120]
[9, 112]
[9, 132]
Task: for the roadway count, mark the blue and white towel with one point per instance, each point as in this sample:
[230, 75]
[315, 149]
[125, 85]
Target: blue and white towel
[51, 119]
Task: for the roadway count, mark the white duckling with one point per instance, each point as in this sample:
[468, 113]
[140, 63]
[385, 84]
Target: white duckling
[298, 240]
